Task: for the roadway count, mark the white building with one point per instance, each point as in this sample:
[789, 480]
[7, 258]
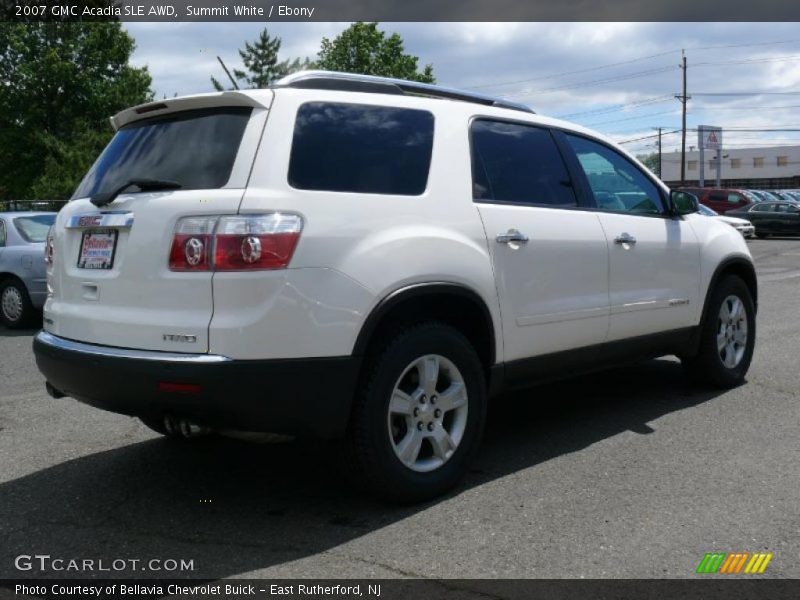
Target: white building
[774, 167]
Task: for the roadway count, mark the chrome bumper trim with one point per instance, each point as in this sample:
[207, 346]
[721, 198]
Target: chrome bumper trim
[49, 339]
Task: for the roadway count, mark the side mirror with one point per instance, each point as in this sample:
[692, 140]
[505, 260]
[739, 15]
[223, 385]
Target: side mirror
[683, 203]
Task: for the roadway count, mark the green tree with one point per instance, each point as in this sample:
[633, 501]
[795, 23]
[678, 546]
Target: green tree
[363, 48]
[650, 161]
[261, 61]
[59, 83]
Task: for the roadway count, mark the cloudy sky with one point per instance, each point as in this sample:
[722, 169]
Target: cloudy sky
[617, 78]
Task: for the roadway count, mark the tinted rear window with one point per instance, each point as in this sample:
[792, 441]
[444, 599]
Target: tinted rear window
[361, 148]
[194, 148]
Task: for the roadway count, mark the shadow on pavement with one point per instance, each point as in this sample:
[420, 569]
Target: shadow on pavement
[235, 507]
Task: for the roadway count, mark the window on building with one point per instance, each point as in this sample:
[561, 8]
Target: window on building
[758, 162]
[783, 161]
[712, 165]
[692, 165]
[736, 163]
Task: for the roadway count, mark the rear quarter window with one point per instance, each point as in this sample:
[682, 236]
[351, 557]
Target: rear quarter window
[34, 228]
[195, 148]
[360, 148]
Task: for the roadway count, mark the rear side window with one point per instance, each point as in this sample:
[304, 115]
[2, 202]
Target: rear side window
[34, 228]
[360, 148]
[195, 148]
[519, 164]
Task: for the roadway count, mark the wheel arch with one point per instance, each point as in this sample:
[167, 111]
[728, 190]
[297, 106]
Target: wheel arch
[737, 265]
[451, 303]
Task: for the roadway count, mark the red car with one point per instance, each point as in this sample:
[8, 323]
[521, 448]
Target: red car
[720, 199]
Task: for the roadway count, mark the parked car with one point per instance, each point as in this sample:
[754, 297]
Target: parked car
[370, 260]
[789, 195]
[771, 218]
[743, 226]
[23, 287]
[719, 199]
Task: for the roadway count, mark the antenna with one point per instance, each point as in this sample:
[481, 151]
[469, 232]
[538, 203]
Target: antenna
[233, 81]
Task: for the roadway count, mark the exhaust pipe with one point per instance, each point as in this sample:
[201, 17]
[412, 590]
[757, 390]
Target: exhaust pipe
[52, 391]
[191, 430]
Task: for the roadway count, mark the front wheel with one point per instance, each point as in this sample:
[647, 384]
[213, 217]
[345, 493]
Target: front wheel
[419, 416]
[727, 336]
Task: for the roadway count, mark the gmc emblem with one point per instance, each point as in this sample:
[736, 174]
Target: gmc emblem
[90, 220]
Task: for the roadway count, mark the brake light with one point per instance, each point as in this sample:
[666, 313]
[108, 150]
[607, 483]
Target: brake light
[254, 242]
[191, 244]
[235, 243]
[49, 248]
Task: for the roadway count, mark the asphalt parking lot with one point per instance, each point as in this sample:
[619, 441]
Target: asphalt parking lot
[631, 473]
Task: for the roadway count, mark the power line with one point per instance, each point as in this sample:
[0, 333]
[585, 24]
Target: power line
[747, 61]
[714, 107]
[666, 112]
[592, 82]
[746, 94]
[744, 45]
[626, 62]
[587, 70]
[648, 137]
[618, 107]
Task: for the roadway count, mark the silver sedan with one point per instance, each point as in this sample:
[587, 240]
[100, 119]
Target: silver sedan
[23, 285]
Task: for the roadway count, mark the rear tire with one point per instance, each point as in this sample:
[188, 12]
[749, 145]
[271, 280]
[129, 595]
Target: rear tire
[16, 309]
[727, 336]
[418, 416]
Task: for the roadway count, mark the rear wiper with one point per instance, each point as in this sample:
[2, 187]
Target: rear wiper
[145, 185]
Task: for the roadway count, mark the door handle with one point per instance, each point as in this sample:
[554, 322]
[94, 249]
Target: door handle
[625, 238]
[512, 235]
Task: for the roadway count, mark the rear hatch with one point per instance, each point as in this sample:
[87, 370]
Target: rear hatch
[110, 277]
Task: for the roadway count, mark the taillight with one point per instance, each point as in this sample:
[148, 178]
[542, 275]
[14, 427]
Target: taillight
[49, 249]
[250, 242]
[235, 243]
[191, 244]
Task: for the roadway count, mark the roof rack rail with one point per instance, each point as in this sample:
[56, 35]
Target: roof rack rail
[352, 82]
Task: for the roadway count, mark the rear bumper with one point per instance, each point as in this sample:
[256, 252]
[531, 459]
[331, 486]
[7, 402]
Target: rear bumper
[305, 397]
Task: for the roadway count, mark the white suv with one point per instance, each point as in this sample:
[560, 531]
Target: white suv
[369, 260]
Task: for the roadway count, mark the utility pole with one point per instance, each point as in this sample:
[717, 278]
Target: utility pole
[659, 152]
[683, 98]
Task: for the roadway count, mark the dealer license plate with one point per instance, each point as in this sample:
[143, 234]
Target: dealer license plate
[97, 249]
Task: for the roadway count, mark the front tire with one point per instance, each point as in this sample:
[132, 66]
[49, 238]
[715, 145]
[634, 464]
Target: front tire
[727, 336]
[16, 309]
[419, 415]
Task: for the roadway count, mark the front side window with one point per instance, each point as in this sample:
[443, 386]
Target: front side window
[2, 233]
[361, 148]
[518, 163]
[195, 149]
[617, 184]
[734, 198]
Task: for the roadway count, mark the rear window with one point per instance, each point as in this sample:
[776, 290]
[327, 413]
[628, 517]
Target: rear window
[361, 148]
[34, 228]
[195, 148]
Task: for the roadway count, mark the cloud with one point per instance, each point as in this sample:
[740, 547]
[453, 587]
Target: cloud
[558, 68]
